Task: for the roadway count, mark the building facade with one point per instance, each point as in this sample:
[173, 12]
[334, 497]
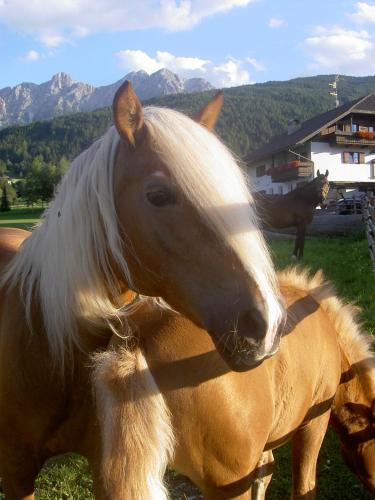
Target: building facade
[341, 141]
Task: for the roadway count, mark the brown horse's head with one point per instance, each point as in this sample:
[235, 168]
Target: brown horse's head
[322, 185]
[355, 424]
[188, 228]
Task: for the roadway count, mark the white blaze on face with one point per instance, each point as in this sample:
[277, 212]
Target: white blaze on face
[275, 318]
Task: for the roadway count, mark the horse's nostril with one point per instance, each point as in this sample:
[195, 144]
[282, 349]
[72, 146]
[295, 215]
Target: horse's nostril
[253, 325]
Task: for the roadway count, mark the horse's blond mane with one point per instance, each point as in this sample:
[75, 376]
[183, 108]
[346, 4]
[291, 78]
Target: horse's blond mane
[355, 344]
[136, 427]
[66, 263]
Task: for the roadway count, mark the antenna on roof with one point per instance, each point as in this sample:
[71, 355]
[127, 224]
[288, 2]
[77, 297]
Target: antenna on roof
[334, 92]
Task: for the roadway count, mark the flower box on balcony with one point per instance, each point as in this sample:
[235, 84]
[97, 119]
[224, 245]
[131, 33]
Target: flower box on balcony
[284, 167]
[365, 134]
[291, 171]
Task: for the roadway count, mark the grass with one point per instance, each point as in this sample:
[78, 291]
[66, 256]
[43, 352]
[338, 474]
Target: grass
[66, 478]
[25, 218]
[345, 261]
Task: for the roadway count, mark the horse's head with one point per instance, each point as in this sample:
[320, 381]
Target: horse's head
[188, 228]
[357, 432]
[322, 185]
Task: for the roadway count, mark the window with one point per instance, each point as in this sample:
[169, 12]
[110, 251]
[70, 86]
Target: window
[371, 129]
[260, 171]
[354, 157]
[280, 189]
[354, 127]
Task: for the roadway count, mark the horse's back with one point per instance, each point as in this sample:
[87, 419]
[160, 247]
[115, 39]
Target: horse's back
[10, 241]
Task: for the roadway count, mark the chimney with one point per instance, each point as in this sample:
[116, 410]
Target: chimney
[293, 125]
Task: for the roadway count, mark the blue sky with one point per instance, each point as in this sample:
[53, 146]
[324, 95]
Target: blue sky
[229, 42]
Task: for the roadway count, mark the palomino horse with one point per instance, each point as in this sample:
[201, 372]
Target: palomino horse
[224, 420]
[115, 225]
[294, 209]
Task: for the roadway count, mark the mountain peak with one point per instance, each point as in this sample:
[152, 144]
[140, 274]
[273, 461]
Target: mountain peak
[28, 102]
[164, 72]
[61, 80]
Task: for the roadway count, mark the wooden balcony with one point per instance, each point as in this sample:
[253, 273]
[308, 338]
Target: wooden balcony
[352, 138]
[293, 171]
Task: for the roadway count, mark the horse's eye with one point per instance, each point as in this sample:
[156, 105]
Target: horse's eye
[161, 197]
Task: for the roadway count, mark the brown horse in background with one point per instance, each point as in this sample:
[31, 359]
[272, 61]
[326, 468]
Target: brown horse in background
[115, 226]
[294, 209]
[224, 420]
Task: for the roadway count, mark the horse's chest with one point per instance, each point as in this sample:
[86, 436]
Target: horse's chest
[290, 404]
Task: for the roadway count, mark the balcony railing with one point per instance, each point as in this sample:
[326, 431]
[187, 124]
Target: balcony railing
[291, 171]
[355, 138]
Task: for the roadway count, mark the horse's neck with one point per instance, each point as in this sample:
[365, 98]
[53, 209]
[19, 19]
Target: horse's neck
[98, 335]
[307, 193]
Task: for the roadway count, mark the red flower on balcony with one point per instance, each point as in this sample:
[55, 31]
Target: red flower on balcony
[365, 134]
[284, 167]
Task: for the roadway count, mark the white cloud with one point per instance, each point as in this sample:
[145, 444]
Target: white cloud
[229, 73]
[52, 40]
[31, 56]
[257, 65]
[57, 21]
[134, 60]
[365, 13]
[341, 50]
[275, 22]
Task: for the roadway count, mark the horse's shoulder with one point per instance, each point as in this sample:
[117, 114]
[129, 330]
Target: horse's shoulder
[10, 241]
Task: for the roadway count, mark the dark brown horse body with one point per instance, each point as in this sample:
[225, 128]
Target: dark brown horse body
[294, 209]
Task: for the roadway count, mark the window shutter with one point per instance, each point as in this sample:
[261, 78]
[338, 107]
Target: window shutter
[345, 157]
[361, 157]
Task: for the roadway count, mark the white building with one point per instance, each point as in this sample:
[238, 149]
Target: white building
[341, 141]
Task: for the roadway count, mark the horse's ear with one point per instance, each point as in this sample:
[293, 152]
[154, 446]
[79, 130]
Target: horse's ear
[318, 173]
[209, 114]
[127, 113]
[327, 173]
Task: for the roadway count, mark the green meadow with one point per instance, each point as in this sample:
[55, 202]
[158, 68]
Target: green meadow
[24, 217]
[345, 261]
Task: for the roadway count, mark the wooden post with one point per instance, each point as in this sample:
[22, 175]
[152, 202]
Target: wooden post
[369, 219]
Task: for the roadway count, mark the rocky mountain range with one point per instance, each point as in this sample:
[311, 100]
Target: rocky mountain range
[29, 102]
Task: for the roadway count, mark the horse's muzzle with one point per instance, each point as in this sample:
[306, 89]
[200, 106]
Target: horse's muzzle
[243, 352]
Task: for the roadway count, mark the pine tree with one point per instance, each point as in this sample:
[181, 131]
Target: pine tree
[4, 206]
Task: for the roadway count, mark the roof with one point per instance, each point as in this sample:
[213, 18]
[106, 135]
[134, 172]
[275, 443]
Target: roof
[310, 128]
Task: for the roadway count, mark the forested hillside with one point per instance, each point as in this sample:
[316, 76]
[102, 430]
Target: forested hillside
[252, 114]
